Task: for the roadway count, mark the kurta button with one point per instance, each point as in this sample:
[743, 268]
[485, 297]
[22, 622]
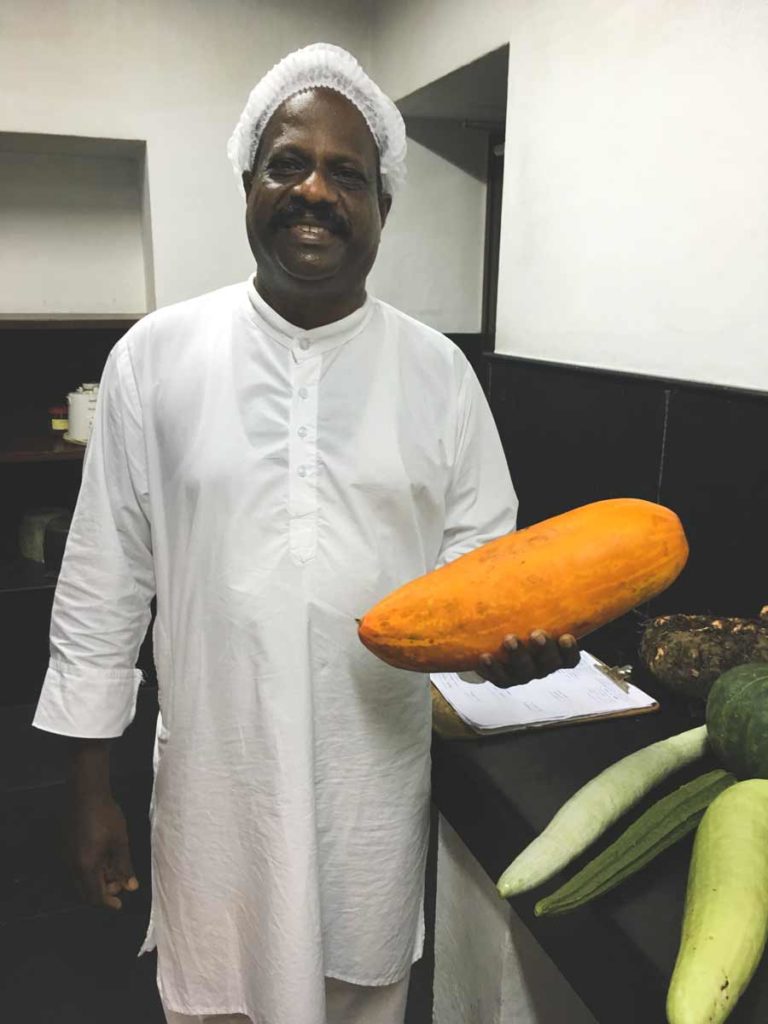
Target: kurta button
[303, 393]
[302, 431]
[304, 343]
[302, 471]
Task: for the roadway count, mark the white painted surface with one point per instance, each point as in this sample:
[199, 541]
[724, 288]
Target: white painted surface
[635, 224]
[488, 968]
[416, 41]
[175, 73]
[636, 213]
[430, 263]
[71, 225]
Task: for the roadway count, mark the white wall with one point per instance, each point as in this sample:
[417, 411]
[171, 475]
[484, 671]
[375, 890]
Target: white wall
[71, 225]
[636, 218]
[416, 41]
[635, 223]
[430, 263]
[635, 227]
[175, 73]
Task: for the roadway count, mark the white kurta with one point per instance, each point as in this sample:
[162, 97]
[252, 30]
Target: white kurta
[269, 485]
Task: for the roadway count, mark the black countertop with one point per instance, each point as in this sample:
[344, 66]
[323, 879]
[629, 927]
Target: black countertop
[618, 951]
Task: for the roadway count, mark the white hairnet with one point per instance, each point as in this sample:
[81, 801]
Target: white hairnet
[322, 65]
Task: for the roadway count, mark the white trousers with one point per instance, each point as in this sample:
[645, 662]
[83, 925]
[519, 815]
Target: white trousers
[344, 1004]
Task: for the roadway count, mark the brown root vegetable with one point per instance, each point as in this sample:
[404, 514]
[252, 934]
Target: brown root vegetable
[687, 653]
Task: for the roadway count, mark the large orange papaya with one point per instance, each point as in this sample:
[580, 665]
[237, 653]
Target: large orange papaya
[569, 574]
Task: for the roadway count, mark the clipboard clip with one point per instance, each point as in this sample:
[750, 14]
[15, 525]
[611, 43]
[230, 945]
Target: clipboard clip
[620, 676]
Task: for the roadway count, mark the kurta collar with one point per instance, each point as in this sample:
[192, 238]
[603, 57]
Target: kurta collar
[305, 344]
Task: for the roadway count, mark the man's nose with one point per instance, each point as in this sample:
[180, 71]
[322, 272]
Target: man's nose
[317, 187]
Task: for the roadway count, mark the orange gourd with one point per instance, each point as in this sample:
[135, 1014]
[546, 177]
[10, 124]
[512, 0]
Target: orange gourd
[569, 574]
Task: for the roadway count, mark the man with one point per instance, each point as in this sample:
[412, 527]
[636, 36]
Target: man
[269, 461]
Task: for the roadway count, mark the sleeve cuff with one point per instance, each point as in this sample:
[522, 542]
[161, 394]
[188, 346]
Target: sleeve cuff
[87, 703]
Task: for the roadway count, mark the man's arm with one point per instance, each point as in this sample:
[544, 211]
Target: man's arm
[482, 505]
[100, 616]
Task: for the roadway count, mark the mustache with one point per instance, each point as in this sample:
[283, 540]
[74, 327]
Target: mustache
[322, 214]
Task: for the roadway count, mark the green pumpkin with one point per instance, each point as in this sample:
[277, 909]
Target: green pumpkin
[737, 720]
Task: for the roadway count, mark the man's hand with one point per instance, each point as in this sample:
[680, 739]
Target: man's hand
[516, 663]
[98, 837]
[100, 853]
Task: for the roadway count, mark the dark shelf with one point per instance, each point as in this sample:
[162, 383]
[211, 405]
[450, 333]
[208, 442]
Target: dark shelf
[68, 321]
[40, 449]
[24, 574]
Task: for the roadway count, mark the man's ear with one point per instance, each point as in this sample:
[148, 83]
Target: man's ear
[385, 205]
[247, 179]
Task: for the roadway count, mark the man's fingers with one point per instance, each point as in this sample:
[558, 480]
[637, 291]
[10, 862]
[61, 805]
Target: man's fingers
[519, 663]
[123, 868]
[111, 902]
[101, 882]
[512, 667]
[491, 670]
[569, 650]
[516, 663]
[95, 887]
[545, 653]
[108, 891]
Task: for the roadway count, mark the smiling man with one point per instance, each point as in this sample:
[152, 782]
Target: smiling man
[315, 208]
[338, 448]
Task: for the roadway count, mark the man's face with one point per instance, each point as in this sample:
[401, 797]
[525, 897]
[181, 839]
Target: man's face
[314, 212]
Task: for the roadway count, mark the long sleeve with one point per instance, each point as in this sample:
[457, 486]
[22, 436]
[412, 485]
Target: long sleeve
[101, 609]
[481, 502]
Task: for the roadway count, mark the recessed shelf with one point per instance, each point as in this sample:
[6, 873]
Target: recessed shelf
[40, 449]
[24, 574]
[74, 214]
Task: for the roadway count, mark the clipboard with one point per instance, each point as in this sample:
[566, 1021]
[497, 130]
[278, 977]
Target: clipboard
[592, 691]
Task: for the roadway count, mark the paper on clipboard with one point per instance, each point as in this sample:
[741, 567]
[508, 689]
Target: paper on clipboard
[585, 692]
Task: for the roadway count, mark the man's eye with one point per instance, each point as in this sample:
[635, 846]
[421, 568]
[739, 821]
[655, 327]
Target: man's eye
[284, 165]
[350, 177]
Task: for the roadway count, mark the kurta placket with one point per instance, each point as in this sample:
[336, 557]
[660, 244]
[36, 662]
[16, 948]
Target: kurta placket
[309, 351]
[302, 448]
[321, 470]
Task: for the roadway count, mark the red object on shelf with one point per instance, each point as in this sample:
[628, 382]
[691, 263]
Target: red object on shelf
[40, 449]
[59, 415]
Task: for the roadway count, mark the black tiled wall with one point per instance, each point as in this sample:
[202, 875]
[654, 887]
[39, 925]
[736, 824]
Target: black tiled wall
[715, 476]
[574, 435]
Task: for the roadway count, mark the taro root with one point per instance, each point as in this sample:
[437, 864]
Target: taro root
[686, 653]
